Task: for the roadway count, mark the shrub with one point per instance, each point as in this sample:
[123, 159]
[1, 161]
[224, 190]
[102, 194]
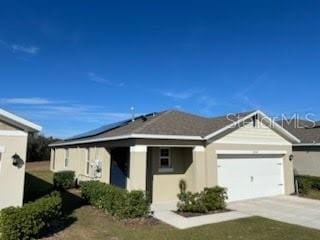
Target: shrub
[115, 201]
[191, 202]
[135, 205]
[29, 221]
[307, 183]
[64, 179]
[210, 199]
[214, 198]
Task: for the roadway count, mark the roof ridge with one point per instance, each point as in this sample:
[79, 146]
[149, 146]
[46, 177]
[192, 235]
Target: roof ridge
[233, 113]
[190, 114]
[151, 121]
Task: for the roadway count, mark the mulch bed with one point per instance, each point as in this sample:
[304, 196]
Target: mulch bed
[193, 214]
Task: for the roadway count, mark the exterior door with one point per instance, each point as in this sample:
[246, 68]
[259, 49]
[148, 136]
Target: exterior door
[119, 171]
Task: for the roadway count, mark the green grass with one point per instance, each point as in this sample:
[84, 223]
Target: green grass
[86, 222]
[37, 184]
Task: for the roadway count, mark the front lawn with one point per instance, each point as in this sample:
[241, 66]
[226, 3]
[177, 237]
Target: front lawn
[86, 222]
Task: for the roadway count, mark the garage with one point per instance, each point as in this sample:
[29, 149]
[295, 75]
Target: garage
[251, 176]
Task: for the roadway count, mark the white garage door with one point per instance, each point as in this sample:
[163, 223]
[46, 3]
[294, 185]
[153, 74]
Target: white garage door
[248, 177]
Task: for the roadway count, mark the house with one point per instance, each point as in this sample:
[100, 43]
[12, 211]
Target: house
[306, 160]
[247, 153]
[13, 149]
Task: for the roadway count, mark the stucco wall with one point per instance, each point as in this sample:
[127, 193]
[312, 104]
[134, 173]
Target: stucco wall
[12, 177]
[307, 162]
[166, 185]
[77, 161]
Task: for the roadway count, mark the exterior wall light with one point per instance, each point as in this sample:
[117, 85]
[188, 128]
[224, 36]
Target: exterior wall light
[291, 157]
[16, 160]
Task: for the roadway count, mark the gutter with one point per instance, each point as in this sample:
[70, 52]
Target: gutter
[306, 144]
[130, 136]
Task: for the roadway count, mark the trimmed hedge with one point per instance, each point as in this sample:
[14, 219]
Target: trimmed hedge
[29, 221]
[64, 180]
[307, 183]
[115, 201]
[210, 199]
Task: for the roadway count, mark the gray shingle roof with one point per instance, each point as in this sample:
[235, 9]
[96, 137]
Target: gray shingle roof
[306, 131]
[171, 122]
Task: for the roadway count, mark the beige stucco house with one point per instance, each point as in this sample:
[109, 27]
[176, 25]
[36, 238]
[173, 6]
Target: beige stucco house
[306, 154]
[247, 153]
[13, 148]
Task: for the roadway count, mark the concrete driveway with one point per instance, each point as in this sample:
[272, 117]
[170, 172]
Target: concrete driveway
[289, 209]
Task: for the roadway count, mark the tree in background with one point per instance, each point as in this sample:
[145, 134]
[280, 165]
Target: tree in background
[38, 147]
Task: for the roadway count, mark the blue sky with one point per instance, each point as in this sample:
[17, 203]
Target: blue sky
[75, 65]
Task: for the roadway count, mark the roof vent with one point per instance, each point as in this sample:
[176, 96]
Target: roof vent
[132, 114]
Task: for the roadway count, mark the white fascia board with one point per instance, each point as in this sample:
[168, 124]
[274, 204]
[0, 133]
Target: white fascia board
[155, 136]
[307, 144]
[15, 133]
[18, 120]
[279, 128]
[131, 136]
[265, 117]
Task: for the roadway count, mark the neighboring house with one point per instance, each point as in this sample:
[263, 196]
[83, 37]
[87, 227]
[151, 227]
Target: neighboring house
[306, 160]
[13, 149]
[154, 152]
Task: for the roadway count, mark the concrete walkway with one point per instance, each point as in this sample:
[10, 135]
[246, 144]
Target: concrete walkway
[168, 216]
[289, 209]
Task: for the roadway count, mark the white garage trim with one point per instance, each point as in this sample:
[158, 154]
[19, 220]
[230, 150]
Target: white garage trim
[271, 152]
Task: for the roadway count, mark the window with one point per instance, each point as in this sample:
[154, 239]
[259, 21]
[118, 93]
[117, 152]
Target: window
[53, 159]
[1, 153]
[165, 161]
[88, 162]
[66, 160]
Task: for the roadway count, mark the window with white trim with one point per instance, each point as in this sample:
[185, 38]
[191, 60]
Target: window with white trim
[165, 160]
[88, 161]
[66, 160]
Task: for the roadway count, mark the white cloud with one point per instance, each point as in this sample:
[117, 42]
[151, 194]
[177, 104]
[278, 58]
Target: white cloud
[15, 48]
[244, 97]
[67, 119]
[207, 104]
[25, 49]
[181, 95]
[98, 79]
[25, 101]
[95, 78]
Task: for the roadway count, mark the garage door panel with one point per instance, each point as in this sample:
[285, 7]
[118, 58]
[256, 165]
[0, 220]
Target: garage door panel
[247, 177]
